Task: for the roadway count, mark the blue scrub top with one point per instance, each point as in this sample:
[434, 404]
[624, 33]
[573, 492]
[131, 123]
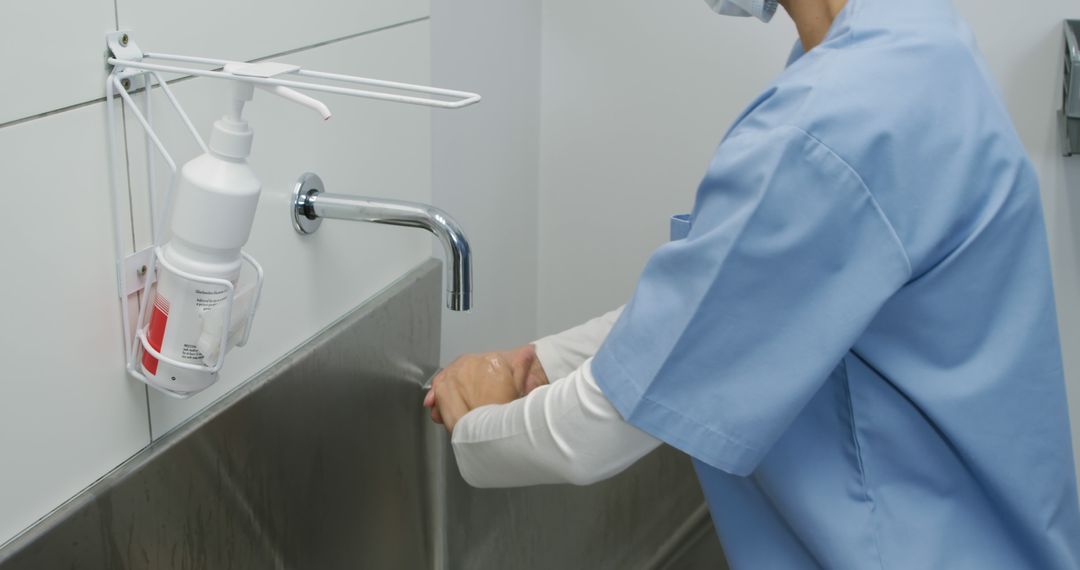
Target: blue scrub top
[857, 340]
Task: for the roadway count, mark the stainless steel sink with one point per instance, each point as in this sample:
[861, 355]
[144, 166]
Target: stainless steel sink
[327, 461]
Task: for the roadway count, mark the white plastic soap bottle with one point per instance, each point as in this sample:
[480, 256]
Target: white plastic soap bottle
[211, 221]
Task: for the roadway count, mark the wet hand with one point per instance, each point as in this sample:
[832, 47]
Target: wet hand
[476, 380]
[472, 381]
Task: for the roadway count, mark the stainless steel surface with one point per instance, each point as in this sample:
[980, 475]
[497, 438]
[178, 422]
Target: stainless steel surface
[1072, 69]
[636, 520]
[693, 545]
[311, 204]
[1069, 116]
[326, 460]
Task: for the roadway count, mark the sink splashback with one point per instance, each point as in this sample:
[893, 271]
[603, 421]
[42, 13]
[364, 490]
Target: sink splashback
[326, 460]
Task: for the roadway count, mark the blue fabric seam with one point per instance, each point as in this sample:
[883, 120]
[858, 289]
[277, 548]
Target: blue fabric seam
[873, 199]
[856, 10]
[642, 393]
[875, 531]
[720, 268]
[713, 281]
[642, 397]
[976, 233]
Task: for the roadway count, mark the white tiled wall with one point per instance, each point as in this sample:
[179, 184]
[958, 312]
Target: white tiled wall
[485, 162]
[636, 96]
[248, 29]
[56, 54]
[67, 412]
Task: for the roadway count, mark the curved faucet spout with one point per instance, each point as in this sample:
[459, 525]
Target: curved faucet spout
[312, 204]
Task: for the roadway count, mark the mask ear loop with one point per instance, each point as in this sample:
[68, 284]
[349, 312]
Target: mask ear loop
[763, 10]
[727, 8]
[768, 10]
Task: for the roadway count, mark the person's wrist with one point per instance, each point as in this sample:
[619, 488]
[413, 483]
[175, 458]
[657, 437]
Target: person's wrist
[536, 376]
[550, 359]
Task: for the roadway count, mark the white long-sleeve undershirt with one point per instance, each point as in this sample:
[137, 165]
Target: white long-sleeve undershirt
[565, 432]
[562, 353]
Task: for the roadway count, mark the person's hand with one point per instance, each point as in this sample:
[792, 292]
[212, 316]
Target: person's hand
[469, 382]
[526, 373]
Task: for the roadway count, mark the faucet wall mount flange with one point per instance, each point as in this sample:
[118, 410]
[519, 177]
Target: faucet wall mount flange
[303, 214]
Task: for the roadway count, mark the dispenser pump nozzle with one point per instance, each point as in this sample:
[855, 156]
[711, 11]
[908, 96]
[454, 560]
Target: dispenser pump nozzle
[298, 97]
[272, 69]
[231, 137]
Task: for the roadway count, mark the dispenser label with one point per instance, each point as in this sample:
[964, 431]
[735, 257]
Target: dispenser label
[156, 331]
[176, 324]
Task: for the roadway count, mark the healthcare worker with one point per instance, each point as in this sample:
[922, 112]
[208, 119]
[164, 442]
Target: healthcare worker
[856, 342]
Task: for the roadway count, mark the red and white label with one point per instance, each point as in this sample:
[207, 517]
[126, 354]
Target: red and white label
[156, 332]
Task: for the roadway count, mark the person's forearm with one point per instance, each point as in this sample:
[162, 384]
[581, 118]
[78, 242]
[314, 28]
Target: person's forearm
[562, 353]
[565, 432]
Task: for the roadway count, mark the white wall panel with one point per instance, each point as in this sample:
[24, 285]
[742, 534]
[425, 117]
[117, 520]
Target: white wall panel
[485, 162]
[57, 52]
[247, 29]
[67, 412]
[367, 148]
[636, 96]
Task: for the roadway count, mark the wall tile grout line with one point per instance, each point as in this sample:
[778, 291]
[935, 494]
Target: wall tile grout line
[131, 216]
[291, 51]
[42, 115]
[297, 50]
[343, 38]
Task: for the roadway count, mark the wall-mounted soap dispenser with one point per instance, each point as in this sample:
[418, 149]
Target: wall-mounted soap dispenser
[198, 302]
[1070, 112]
[212, 215]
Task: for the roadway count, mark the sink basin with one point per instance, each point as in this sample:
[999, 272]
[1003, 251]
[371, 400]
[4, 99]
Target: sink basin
[326, 460]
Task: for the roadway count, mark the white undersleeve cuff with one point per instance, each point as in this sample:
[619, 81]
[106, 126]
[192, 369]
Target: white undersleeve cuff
[563, 353]
[565, 432]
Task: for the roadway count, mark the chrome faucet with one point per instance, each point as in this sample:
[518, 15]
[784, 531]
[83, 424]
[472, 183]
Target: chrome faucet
[311, 204]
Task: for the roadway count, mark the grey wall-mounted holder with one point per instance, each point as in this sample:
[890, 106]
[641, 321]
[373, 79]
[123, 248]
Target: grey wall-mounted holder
[1070, 109]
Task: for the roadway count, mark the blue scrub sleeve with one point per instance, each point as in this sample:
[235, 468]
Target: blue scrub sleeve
[732, 330]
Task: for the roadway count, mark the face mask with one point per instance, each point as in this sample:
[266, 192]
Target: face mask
[760, 9]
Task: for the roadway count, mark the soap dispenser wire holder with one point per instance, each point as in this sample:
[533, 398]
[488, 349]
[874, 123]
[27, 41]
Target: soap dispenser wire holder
[136, 272]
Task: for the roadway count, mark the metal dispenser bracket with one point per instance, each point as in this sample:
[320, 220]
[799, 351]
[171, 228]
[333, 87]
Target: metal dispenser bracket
[131, 68]
[1070, 109]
